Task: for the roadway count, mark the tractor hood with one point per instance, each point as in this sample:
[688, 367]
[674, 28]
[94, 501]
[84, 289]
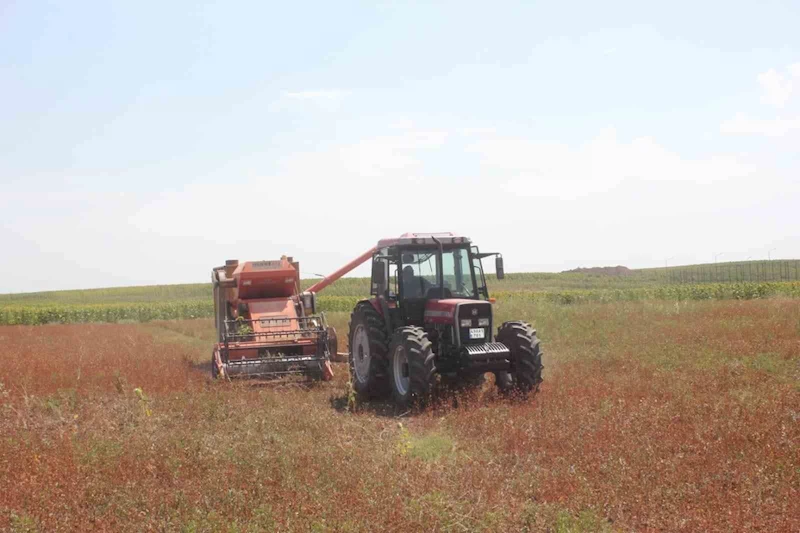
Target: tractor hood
[444, 311]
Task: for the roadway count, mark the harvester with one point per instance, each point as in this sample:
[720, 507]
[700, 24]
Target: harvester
[430, 319]
[266, 327]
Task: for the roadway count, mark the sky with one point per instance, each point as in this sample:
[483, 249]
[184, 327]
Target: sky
[146, 142]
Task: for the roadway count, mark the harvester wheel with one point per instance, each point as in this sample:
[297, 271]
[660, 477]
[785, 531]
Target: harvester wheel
[214, 369]
[369, 371]
[412, 367]
[332, 343]
[526, 357]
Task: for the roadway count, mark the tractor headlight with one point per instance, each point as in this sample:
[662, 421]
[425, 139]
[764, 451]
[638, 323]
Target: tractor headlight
[483, 322]
[466, 322]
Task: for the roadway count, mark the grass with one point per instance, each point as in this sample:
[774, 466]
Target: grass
[655, 415]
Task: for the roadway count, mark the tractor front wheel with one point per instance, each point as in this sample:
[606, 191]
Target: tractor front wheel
[412, 367]
[526, 357]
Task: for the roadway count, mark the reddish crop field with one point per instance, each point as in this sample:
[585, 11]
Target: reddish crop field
[654, 416]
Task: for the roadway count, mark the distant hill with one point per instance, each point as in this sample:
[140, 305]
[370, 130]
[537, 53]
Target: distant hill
[618, 270]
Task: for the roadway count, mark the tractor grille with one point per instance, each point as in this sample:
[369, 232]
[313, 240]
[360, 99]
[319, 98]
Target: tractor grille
[473, 312]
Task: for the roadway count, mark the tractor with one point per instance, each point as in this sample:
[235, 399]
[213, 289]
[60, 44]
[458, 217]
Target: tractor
[430, 319]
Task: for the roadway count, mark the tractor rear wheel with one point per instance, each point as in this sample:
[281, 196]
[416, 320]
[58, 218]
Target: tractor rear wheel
[526, 357]
[412, 367]
[369, 371]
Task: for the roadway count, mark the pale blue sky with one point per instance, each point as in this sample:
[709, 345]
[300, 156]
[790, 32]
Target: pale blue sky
[145, 142]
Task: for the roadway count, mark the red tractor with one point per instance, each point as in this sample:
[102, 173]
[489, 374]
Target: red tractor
[429, 319]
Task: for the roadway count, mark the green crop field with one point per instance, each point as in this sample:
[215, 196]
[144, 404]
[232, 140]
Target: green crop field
[158, 302]
[747, 272]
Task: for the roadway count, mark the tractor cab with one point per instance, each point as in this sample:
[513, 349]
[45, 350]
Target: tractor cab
[436, 282]
[411, 271]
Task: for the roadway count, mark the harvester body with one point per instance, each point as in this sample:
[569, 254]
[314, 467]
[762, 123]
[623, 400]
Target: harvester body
[265, 326]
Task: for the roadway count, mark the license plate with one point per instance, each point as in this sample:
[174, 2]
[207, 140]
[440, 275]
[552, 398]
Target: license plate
[476, 333]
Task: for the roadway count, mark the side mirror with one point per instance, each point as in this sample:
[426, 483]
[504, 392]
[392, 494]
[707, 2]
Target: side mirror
[498, 267]
[380, 277]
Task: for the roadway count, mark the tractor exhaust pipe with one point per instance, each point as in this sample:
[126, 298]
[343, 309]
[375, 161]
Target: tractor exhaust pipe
[440, 270]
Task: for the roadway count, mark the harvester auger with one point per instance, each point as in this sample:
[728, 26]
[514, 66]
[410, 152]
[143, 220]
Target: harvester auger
[430, 318]
[265, 326]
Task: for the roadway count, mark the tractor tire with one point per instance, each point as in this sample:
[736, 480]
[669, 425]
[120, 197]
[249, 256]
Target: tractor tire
[526, 357]
[369, 345]
[412, 368]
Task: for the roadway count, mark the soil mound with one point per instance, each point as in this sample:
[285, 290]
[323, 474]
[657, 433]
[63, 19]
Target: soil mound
[618, 270]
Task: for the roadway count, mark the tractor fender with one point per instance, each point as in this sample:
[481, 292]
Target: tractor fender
[374, 303]
[382, 307]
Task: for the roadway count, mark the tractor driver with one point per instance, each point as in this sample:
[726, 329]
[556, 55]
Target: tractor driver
[413, 285]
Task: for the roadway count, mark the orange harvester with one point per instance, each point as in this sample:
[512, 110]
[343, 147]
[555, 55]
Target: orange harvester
[265, 326]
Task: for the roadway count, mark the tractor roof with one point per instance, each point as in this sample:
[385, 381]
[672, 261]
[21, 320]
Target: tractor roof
[423, 238]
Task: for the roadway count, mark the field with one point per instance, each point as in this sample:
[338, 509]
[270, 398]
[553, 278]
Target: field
[655, 415]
